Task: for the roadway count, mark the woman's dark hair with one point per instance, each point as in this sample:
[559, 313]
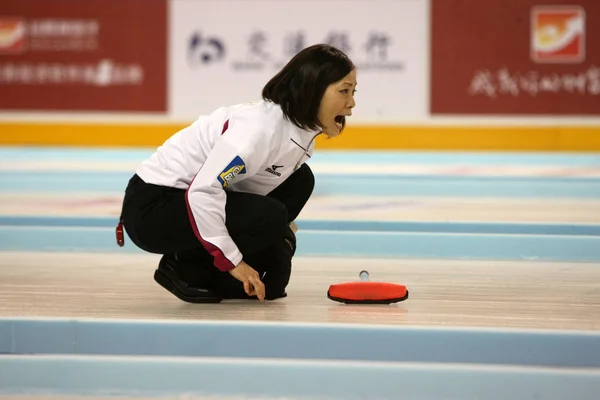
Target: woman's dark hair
[301, 83]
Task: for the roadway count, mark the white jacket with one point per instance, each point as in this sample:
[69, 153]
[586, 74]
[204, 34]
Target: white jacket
[248, 148]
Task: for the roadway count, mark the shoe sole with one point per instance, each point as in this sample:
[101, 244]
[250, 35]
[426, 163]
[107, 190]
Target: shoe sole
[165, 281]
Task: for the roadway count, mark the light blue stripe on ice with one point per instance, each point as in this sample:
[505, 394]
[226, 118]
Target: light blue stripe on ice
[331, 184]
[283, 340]
[315, 380]
[341, 243]
[50, 153]
[496, 187]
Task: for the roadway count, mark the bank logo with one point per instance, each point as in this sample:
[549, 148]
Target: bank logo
[13, 36]
[204, 50]
[557, 34]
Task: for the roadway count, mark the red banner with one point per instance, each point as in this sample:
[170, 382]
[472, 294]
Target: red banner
[92, 55]
[515, 57]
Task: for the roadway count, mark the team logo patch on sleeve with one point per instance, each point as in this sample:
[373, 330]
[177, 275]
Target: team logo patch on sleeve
[233, 169]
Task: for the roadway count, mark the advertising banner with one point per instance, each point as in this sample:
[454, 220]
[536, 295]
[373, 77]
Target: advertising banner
[224, 52]
[515, 57]
[93, 55]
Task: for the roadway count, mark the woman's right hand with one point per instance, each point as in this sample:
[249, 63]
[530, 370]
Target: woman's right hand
[253, 286]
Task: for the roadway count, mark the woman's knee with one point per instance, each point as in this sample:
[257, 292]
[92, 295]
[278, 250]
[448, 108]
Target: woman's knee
[308, 178]
[302, 182]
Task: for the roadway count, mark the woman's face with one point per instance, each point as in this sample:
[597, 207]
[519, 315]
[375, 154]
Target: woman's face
[337, 104]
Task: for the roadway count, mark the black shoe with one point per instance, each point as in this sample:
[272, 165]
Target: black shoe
[167, 277]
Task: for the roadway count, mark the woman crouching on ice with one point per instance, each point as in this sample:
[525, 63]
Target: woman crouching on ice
[218, 198]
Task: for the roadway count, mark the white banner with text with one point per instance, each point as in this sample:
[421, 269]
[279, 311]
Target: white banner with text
[223, 52]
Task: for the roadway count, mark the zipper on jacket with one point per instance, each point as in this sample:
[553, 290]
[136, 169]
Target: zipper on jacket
[305, 150]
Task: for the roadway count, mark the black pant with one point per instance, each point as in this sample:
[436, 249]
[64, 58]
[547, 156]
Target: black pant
[156, 220]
